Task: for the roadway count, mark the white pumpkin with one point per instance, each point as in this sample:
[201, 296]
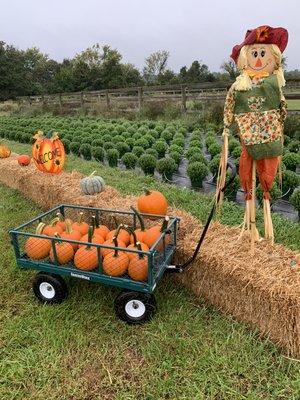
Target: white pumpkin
[92, 184]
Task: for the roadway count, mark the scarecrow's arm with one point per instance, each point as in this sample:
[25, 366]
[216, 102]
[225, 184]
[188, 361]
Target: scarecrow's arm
[228, 120]
[228, 110]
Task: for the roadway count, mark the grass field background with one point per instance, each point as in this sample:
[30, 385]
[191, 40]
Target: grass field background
[79, 350]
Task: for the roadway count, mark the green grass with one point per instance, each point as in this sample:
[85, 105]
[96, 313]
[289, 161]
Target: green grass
[78, 350]
[293, 105]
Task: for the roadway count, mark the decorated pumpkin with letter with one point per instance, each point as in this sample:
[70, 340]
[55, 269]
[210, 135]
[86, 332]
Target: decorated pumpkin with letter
[48, 152]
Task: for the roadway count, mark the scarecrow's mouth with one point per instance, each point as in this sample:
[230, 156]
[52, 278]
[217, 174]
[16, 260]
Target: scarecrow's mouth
[259, 69]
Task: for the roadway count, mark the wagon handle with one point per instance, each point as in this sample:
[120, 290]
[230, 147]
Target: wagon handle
[182, 267]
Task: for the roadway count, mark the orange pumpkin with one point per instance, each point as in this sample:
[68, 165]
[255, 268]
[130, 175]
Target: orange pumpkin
[139, 233]
[37, 248]
[110, 242]
[86, 258]
[154, 233]
[96, 239]
[99, 230]
[52, 228]
[136, 245]
[152, 202]
[48, 152]
[4, 151]
[138, 266]
[81, 226]
[116, 262]
[24, 160]
[64, 252]
[71, 234]
[62, 221]
[121, 233]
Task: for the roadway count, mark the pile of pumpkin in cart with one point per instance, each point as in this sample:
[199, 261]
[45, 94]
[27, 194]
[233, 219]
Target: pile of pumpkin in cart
[115, 262]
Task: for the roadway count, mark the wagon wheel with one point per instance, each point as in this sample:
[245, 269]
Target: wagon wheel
[135, 307]
[49, 288]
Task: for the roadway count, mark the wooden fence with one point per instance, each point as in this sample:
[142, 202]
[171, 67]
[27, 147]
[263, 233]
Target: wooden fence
[134, 98]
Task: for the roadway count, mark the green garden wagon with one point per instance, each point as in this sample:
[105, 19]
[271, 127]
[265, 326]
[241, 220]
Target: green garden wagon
[136, 303]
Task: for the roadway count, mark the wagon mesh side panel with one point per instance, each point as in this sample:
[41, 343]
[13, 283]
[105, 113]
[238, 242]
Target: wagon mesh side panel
[164, 250]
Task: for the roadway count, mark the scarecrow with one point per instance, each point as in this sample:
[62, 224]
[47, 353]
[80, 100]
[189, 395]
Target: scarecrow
[255, 102]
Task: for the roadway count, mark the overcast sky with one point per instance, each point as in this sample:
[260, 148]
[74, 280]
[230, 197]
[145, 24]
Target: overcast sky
[189, 29]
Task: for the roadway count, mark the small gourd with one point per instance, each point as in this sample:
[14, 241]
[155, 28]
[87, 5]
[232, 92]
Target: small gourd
[92, 184]
[4, 151]
[24, 160]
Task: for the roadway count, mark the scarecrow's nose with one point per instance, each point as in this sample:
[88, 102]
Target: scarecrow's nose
[258, 63]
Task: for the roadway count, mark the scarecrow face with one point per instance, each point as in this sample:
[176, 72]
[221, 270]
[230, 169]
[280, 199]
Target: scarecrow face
[261, 58]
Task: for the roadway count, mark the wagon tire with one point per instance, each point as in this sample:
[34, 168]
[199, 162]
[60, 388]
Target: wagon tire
[49, 288]
[135, 307]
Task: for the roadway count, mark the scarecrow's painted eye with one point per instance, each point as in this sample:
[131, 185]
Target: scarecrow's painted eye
[262, 53]
[255, 53]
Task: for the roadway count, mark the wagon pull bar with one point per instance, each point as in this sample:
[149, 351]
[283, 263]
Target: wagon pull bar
[181, 267]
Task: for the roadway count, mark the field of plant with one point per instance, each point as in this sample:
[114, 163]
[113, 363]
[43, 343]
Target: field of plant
[157, 147]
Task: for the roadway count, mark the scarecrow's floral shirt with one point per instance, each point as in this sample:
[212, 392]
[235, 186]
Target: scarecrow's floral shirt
[257, 126]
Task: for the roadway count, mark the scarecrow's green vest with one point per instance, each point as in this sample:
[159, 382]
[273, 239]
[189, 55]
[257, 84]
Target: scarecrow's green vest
[267, 90]
[267, 97]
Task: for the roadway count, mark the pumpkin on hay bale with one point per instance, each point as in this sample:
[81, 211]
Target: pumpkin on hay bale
[23, 160]
[92, 184]
[152, 202]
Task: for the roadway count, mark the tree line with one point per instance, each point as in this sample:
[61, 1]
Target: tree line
[30, 72]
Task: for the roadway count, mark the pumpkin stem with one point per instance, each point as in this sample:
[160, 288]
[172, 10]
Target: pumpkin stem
[90, 237]
[146, 191]
[139, 247]
[118, 230]
[131, 231]
[80, 217]
[116, 221]
[92, 174]
[140, 218]
[60, 216]
[40, 228]
[38, 134]
[54, 221]
[165, 224]
[56, 234]
[115, 240]
[96, 221]
[68, 227]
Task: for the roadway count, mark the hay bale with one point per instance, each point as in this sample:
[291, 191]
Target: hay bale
[262, 290]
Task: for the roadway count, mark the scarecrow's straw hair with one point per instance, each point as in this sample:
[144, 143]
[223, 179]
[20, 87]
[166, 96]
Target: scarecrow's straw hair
[263, 290]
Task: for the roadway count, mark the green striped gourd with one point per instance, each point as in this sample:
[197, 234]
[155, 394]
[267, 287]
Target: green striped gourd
[92, 184]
